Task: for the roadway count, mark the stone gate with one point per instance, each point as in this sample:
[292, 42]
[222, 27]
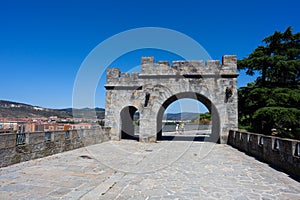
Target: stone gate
[158, 85]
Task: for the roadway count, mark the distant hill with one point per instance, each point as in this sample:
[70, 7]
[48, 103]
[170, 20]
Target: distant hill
[21, 110]
[181, 116]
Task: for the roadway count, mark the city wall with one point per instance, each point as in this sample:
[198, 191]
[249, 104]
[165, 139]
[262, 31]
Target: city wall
[280, 152]
[16, 148]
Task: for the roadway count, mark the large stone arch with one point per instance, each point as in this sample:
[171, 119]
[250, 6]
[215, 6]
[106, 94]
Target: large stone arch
[196, 96]
[213, 84]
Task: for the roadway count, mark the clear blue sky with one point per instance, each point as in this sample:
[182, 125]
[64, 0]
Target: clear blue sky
[43, 43]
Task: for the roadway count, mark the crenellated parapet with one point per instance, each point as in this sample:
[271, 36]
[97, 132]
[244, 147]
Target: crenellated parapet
[184, 68]
[228, 65]
[115, 77]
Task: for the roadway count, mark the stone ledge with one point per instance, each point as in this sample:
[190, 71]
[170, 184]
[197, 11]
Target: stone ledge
[37, 146]
[280, 152]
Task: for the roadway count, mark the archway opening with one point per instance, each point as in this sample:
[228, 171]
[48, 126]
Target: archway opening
[186, 118]
[129, 123]
[201, 125]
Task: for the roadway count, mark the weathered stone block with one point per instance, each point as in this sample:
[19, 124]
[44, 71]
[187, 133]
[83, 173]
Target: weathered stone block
[148, 60]
[7, 140]
[229, 60]
[36, 137]
[212, 64]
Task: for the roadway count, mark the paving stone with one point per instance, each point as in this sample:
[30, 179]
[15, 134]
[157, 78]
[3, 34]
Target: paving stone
[223, 173]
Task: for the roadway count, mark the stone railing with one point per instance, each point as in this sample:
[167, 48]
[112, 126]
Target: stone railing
[187, 127]
[279, 152]
[172, 127]
[15, 148]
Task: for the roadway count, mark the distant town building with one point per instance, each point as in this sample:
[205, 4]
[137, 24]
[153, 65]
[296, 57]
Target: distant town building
[53, 123]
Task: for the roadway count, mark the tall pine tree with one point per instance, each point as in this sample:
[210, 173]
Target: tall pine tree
[278, 61]
[273, 100]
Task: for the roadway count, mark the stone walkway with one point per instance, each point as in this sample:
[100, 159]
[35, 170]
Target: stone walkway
[133, 170]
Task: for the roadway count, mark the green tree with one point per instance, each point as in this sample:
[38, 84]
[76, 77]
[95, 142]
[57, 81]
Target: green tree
[204, 118]
[273, 100]
[278, 61]
[206, 115]
[285, 120]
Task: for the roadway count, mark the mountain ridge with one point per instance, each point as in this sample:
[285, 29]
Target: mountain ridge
[181, 116]
[21, 110]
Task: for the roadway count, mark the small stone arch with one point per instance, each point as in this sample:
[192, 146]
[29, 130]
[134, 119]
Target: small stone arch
[126, 123]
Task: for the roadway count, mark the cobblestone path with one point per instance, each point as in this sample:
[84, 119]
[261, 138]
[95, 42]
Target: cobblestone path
[133, 170]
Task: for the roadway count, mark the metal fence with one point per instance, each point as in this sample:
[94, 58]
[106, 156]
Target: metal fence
[48, 136]
[20, 138]
[187, 127]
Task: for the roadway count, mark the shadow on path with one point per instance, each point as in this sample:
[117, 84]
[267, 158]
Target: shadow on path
[183, 138]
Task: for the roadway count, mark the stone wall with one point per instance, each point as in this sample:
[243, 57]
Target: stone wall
[15, 148]
[281, 152]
